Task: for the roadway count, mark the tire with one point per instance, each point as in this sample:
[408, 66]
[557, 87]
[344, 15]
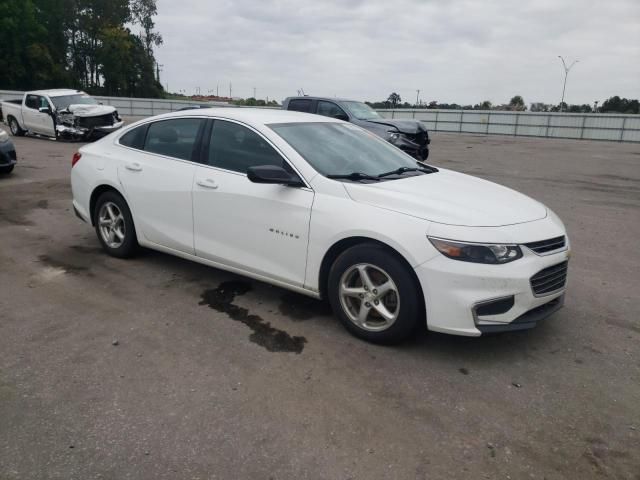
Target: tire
[14, 126]
[6, 170]
[114, 225]
[403, 301]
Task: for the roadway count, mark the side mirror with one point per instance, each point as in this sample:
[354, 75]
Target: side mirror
[341, 116]
[46, 110]
[272, 174]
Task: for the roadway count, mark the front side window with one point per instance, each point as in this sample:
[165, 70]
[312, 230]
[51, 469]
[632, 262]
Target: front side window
[33, 101]
[236, 148]
[330, 109]
[340, 148]
[173, 138]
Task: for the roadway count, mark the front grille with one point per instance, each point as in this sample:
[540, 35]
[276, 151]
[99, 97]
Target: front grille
[550, 279]
[100, 121]
[544, 246]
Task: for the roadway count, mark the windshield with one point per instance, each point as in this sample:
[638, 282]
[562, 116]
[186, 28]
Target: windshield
[341, 149]
[81, 99]
[362, 111]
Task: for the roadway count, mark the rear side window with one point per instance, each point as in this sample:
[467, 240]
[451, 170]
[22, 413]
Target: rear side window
[236, 148]
[134, 138]
[173, 138]
[300, 105]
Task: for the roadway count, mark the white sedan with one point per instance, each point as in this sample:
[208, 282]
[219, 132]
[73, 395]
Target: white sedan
[327, 209]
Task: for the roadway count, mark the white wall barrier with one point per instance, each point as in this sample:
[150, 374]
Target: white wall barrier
[583, 126]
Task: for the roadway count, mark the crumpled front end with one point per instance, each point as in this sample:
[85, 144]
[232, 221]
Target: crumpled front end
[415, 144]
[72, 126]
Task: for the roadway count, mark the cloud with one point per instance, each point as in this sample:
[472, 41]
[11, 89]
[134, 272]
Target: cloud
[461, 51]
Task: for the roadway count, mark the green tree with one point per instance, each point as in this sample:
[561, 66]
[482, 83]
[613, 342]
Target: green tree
[517, 103]
[394, 99]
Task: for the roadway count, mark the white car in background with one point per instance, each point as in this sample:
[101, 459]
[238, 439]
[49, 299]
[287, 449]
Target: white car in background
[326, 209]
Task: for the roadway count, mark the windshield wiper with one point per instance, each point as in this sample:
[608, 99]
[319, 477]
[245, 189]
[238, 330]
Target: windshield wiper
[401, 170]
[354, 176]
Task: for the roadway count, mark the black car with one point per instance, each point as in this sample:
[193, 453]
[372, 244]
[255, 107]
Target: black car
[410, 136]
[8, 156]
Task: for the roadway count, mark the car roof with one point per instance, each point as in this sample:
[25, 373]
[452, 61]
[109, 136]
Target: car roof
[58, 92]
[252, 115]
[329, 99]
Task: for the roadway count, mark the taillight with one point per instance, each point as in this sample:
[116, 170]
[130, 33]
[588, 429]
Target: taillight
[76, 156]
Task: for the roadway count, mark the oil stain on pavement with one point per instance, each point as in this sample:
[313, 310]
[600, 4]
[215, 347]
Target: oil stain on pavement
[274, 340]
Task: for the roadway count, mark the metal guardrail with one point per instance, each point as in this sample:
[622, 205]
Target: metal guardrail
[585, 126]
[581, 126]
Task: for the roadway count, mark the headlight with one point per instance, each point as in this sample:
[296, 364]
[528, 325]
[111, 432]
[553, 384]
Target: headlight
[477, 252]
[393, 135]
[4, 136]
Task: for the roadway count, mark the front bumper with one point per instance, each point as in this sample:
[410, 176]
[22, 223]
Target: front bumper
[417, 150]
[87, 133]
[454, 292]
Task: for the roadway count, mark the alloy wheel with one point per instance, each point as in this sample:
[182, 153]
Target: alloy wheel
[369, 297]
[13, 125]
[111, 225]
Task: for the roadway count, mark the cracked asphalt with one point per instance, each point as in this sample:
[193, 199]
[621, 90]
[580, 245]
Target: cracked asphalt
[159, 368]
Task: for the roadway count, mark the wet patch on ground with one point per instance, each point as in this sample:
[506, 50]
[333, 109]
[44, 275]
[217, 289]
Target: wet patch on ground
[65, 265]
[274, 340]
[300, 307]
[17, 201]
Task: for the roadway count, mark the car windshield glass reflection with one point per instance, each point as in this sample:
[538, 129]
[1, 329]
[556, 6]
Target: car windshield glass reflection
[63, 102]
[362, 111]
[340, 149]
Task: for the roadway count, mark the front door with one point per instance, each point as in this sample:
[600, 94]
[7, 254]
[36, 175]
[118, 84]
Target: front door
[36, 121]
[260, 228]
[158, 182]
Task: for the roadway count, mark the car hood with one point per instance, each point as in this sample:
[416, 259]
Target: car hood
[450, 198]
[403, 126]
[83, 110]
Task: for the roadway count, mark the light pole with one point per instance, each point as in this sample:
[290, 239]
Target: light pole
[566, 73]
[417, 97]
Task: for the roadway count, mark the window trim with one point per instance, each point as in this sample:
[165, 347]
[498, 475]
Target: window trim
[207, 142]
[204, 147]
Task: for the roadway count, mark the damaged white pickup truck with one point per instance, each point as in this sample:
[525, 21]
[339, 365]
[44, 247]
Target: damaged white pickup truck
[60, 113]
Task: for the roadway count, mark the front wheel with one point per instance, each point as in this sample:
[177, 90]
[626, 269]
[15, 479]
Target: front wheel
[114, 225]
[8, 169]
[374, 294]
[14, 126]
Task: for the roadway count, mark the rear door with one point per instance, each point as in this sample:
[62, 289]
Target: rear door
[260, 228]
[157, 174]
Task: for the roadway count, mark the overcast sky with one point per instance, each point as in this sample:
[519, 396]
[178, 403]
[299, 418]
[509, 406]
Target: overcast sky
[462, 51]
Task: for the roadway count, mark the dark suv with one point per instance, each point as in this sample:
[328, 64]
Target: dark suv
[410, 136]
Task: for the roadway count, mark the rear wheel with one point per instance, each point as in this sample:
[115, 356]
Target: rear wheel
[8, 169]
[14, 126]
[114, 225]
[374, 295]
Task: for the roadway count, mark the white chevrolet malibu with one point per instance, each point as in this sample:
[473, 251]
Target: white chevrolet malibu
[329, 210]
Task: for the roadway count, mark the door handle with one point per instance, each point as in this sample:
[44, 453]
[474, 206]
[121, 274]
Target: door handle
[134, 167]
[207, 183]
